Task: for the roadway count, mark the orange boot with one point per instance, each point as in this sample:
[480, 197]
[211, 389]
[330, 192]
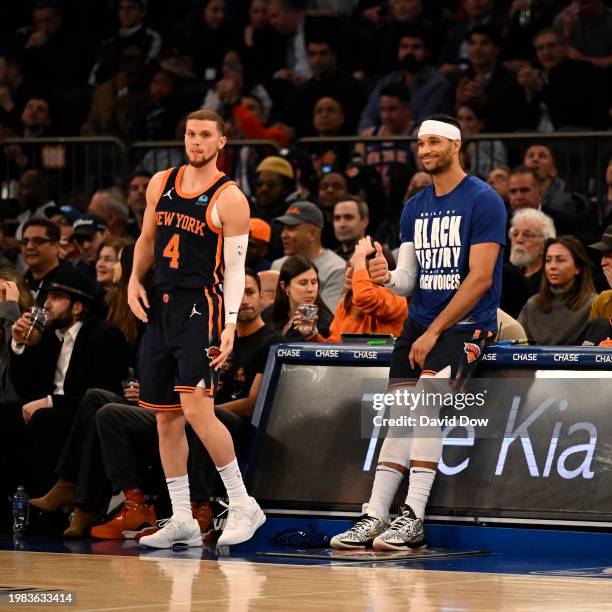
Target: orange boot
[61, 495]
[134, 515]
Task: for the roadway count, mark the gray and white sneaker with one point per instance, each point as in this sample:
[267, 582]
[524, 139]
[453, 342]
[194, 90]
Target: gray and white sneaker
[406, 532]
[362, 533]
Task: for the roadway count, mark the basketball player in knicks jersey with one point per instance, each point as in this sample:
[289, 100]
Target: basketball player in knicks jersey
[195, 232]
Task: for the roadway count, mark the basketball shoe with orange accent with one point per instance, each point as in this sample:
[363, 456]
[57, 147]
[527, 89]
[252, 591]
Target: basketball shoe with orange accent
[132, 516]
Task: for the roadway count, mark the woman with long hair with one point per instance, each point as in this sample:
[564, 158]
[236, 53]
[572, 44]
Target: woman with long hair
[15, 299]
[107, 257]
[298, 283]
[558, 311]
[119, 313]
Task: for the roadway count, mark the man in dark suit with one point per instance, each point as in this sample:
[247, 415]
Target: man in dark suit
[76, 351]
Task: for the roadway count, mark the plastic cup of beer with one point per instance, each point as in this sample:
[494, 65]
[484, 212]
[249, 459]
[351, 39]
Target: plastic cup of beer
[309, 314]
[38, 319]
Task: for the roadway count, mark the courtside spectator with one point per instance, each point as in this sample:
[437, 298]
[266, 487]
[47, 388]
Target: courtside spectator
[332, 185]
[529, 231]
[524, 189]
[137, 201]
[15, 299]
[541, 160]
[119, 313]
[274, 185]
[259, 242]
[87, 352]
[602, 306]
[298, 283]
[40, 253]
[351, 219]
[109, 205]
[366, 308]
[106, 260]
[561, 308]
[301, 235]
[88, 232]
[498, 179]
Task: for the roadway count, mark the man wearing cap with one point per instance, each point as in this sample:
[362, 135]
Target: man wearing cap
[301, 235]
[275, 183]
[602, 306]
[259, 241]
[77, 351]
[88, 232]
[450, 261]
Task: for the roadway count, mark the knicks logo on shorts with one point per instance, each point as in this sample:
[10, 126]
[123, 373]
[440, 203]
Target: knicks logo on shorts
[212, 352]
[472, 351]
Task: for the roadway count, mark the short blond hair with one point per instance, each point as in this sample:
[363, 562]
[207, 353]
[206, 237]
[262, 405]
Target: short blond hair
[206, 115]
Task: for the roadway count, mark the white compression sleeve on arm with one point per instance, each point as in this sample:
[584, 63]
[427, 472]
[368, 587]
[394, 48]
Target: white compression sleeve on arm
[234, 256]
[403, 278]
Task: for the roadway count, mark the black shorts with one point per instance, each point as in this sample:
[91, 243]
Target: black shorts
[461, 349]
[180, 340]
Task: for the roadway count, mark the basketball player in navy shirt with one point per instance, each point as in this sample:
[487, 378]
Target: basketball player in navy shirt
[195, 232]
[450, 261]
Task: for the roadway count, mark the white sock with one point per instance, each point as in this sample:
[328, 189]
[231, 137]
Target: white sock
[386, 482]
[232, 479]
[419, 486]
[178, 488]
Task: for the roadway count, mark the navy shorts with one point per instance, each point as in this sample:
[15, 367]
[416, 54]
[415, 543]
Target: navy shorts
[461, 349]
[180, 340]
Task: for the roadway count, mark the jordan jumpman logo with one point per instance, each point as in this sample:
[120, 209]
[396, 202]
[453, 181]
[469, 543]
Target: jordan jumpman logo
[194, 311]
[168, 193]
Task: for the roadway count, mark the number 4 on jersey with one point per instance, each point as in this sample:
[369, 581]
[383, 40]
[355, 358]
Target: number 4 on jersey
[172, 251]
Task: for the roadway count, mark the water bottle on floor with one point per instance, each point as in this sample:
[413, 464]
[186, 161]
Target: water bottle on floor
[21, 509]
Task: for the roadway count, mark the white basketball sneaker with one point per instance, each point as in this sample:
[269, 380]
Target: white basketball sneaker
[174, 533]
[243, 520]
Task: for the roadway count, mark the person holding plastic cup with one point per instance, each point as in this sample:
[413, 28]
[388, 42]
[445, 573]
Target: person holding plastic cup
[298, 295]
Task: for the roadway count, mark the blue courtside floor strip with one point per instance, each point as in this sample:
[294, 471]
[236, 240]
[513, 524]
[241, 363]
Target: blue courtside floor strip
[514, 550]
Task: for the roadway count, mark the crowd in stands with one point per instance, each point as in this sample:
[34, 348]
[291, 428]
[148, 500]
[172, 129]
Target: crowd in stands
[278, 70]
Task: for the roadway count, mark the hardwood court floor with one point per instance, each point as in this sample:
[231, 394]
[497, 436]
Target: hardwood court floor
[183, 584]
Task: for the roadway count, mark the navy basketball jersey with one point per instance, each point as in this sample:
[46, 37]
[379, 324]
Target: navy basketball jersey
[188, 246]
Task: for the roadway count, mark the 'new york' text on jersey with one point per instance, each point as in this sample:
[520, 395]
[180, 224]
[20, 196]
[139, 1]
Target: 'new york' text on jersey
[188, 245]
